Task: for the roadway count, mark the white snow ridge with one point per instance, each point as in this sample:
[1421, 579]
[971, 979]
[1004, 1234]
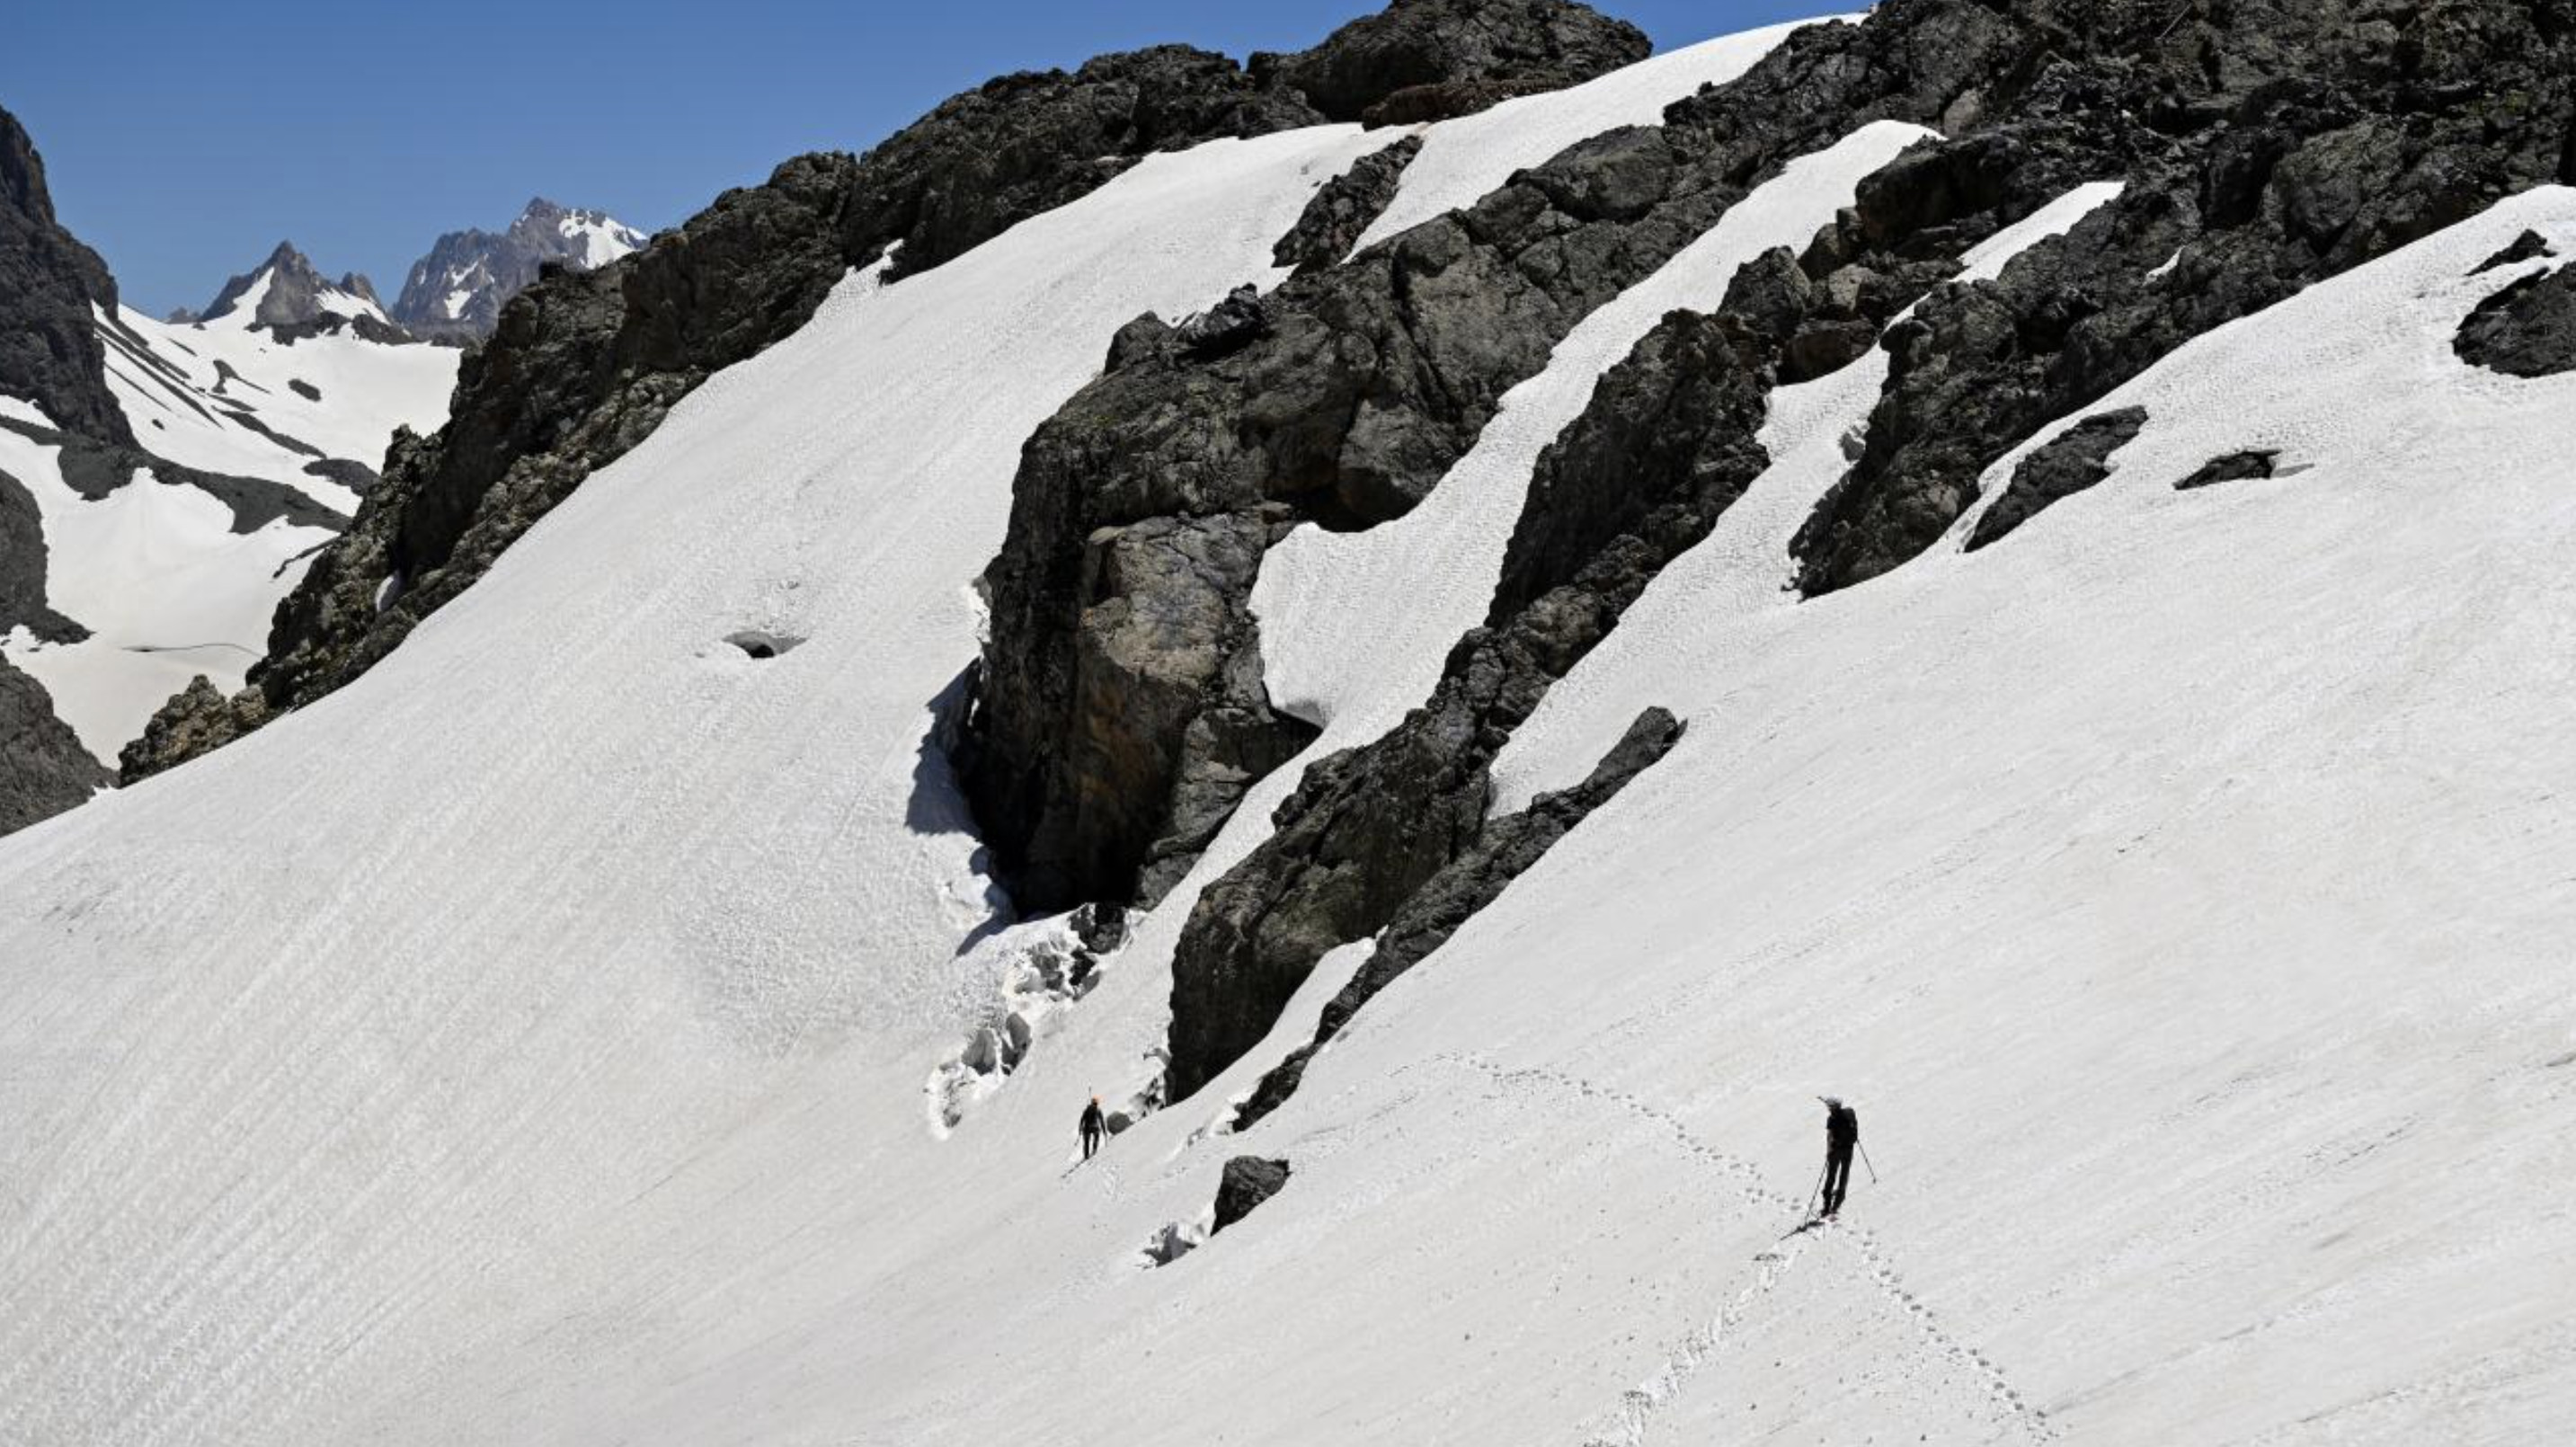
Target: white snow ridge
[596, 1024]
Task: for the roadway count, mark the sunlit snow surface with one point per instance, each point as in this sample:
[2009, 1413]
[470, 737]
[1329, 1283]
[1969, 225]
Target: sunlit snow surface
[180, 403]
[527, 1043]
[167, 589]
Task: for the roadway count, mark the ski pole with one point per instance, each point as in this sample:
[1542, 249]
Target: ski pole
[1810, 1207]
[1864, 1160]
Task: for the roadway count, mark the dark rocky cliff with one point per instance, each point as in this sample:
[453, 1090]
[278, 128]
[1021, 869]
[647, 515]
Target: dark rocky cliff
[49, 349]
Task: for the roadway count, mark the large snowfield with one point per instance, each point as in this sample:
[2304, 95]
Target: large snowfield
[529, 1043]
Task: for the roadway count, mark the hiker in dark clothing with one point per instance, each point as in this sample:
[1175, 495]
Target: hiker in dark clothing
[1842, 1136]
[1092, 1126]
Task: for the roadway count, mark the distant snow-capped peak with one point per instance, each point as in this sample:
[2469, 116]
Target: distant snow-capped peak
[456, 292]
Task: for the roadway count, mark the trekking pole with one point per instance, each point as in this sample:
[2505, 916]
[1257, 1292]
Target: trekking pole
[1810, 1207]
[1864, 1160]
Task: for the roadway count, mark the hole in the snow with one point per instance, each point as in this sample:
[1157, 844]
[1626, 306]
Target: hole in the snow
[761, 643]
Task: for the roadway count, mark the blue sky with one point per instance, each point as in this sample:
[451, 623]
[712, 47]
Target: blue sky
[185, 139]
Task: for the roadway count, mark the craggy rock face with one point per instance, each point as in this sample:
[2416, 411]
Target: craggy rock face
[2526, 330]
[43, 768]
[2075, 461]
[1346, 207]
[1248, 1181]
[49, 351]
[2265, 145]
[1371, 378]
[1385, 68]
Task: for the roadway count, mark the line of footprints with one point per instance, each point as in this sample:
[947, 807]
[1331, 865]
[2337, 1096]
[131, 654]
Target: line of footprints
[1639, 1403]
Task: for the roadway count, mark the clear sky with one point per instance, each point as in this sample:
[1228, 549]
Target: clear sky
[184, 139]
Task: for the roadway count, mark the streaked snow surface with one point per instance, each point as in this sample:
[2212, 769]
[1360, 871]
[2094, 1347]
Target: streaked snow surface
[528, 1042]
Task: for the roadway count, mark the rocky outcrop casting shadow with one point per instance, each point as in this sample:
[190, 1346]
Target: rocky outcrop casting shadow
[2526, 330]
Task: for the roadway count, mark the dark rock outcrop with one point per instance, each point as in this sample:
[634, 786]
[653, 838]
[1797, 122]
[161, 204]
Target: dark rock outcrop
[2526, 330]
[2265, 145]
[1229, 326]
[197, 720]
[2075, 460]
[22, 569]
[1503, 851]
[1345, 207]
[1371, 379]
[1429, 59]
[49, 347]
[994, 156]
[2231, 467]
[43, 768]
[1248, 1181]
[2529, 246]
[1666, 445]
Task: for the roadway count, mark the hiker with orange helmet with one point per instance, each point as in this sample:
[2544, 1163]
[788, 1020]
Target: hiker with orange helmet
[1093, 1123]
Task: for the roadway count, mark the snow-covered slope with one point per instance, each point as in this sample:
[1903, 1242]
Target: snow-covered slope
[160, 575]
[232, 397]
[529, 1041]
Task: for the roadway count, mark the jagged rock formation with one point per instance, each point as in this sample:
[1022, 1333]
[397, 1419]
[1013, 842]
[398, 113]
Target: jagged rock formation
[289, 297]
[43, 768]
[2526, 330]
[22, 570]
[49, 351]
[456, 292]
[1503, 851]
[2265, 146]
[1423, 60]
[1343, 210]
[2529, 246]
[583, 366]
[2077, 459]
[1373, 377]
[1665, 447]
[197, 720]
[1248, 1181]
